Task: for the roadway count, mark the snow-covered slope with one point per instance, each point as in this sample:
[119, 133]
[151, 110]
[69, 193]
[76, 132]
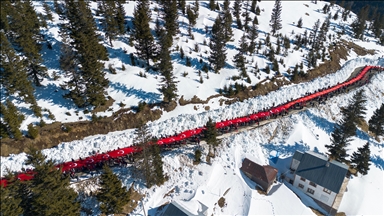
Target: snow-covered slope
[129, 88]
[308, 130]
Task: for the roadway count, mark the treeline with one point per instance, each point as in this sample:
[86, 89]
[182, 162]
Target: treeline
[345, 129]
[82, 53]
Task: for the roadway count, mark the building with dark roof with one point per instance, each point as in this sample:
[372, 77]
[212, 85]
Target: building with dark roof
[180, 208]
[263, 175]
[320, 178]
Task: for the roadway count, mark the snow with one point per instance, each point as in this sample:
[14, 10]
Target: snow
[272, 144]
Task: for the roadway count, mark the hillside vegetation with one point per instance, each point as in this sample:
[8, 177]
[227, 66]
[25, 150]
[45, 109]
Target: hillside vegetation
[91, 61]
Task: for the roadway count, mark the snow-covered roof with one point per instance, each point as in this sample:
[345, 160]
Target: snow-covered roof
[316, 168]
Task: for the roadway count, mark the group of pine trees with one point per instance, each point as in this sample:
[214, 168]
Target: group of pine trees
[49, 191]
[345, 129]
[149, 165]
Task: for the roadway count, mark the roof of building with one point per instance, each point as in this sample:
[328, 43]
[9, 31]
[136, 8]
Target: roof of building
[298, 155]
[316, 168]
[191, 208]
[266, 173]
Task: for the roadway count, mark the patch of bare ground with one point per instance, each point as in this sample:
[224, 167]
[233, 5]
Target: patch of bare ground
[221, 202]
[53, 134]
[104, 107]
[337, 52]
[196, 100]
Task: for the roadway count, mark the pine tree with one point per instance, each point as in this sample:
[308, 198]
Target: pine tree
[120, 16]
[252, 36]
[110, 22]
[217, 45]
[158, 165]
[69, 65]
[253, 6]
[257, 11]
[313, 36]
[14, 72]
[354, 112]
[275, 22]
[237, 13]
[360, 159]
[144, 41]
[191, 16]
[339, 142]
[300, 23]
[181, 5]
[212, 5]
[10, 201]
[227, 16]
[210, 133]
[170, 17]
[246, 16]
[376, 123]
[12, 119]
[165, 67]
[50, 193]
[25, 27]
[358, 25]
[82, 30]
[112, 196]
[144, 166]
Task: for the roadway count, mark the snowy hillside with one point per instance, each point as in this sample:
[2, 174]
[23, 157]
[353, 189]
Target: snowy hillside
[129, 88]
[273, 143]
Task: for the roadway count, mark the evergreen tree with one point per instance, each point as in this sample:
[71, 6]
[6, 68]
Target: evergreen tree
[50, 193]
[211, 133]
[300, 23]
[12, 119]
[112, 196]
[239, 58]
[82, 30]
[237, 13]
[246, 16]
[354, 112]
[13, 75]
[196, 8]
[339, 142]
[376, 123]
[120, 16]
[275, 22]
[144, 41]
[358, 25]
[158, 165]
[191, 16]
[181, 5]
[257, 11]
[217, 45]
[378, 25]
[252, 36]
[212, 5]
[25, 34]
[169, 88]
[145, 165]
[313, 36]
[170, 17]
[69, 65]
[110, 22]
[360, 159]
[253, 6]
[227, 16]
[10, 202]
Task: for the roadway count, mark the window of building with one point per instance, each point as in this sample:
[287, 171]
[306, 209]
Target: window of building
[302, 179]
[309, 190]
[301, 186]
[327, 191]
[312, 184]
